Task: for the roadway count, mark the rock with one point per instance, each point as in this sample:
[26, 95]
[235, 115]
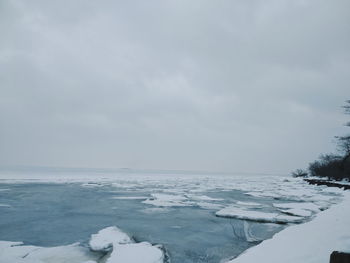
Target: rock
[339, 257]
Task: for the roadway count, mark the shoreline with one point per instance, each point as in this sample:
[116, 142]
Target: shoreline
[329, 183]
[310, 242]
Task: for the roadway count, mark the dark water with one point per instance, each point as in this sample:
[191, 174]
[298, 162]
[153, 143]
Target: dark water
[60, 214]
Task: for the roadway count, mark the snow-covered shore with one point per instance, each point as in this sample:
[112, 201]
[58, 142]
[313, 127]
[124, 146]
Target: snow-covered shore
[312, 242]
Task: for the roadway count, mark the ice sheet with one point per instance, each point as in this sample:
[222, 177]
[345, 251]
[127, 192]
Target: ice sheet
[234, 212]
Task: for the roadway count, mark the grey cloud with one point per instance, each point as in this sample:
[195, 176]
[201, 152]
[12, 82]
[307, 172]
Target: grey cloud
[228, 85]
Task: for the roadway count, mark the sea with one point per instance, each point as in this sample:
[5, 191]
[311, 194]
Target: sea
[46, 207]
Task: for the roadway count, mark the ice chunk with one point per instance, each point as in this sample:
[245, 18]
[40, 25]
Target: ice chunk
[248, 204]
[206, 205]
[16, 252]
[107, 237]
[234, 212]
[203, 198]
[71, 253]
[92, 185]
[122, 248]
[135, 253]
[168, 200]
[263, 194]
[130, 197]
[305, 206]
[297, 212]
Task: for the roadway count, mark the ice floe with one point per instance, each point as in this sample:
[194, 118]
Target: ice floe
[252, 204]
[136, 253]
[16, 252]
[202, 198]
[234, 212]
[262, 194]
[305, 206]
[165, 200]
[206, 205]
[296, 212]
[130, 197]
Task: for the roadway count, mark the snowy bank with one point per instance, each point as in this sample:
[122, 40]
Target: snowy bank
[312, 242]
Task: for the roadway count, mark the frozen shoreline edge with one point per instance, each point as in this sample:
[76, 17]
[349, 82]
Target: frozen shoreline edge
[310, 242]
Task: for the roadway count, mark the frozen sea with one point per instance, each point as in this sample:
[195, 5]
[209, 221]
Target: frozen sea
[197, 217]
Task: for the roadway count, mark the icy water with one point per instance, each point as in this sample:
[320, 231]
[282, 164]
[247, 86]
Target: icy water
[55, 213]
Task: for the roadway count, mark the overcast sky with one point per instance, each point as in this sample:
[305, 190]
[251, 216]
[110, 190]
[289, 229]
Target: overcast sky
[238, 85]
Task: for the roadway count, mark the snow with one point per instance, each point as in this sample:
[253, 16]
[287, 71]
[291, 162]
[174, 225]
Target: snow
[312, 242]
[234, 212]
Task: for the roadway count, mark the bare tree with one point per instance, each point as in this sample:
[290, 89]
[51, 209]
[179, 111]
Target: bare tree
[344, 141]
